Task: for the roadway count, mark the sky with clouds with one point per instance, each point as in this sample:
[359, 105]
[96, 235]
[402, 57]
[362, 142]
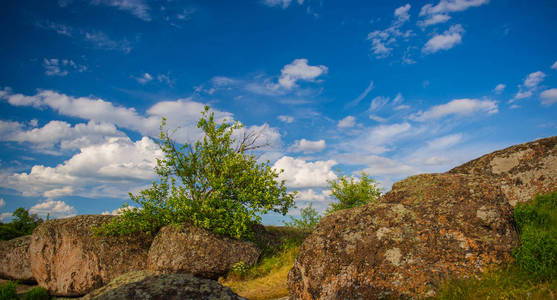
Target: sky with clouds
[391, 88]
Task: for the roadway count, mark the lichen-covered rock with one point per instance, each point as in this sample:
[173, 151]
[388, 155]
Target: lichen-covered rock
[69, 260]
[190, 249]
[14, 259]
[522, 170]
[428, 227]
[148, 285]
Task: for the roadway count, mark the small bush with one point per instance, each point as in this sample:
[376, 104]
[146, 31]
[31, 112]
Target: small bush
[308, 219]
[537, 225]
[7, 291]
[37, 293]
[351, 192]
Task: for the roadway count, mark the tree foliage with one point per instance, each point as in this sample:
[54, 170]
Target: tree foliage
[22, 224]
[351, 192]
[309, 217]
[214, 183]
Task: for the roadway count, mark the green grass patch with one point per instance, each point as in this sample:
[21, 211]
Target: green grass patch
[7, 291]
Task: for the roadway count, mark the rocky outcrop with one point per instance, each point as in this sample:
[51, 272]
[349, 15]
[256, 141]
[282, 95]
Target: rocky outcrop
[14, 259]
[147, 285]
[426, 228]
[522, 170]
[189, 249]
[69, 260]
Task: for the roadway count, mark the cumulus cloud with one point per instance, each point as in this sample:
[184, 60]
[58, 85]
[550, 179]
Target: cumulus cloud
[499, 88]
[554, 66]
[55, 209]
[119, 211]
[299, 70]
[306, 146]
[137, 8]
[534, 79]
[457, 107]
[444, 41]
[348, 121]
[286, 119]
[5, 216]
[549, 97]
[143, 79]
[439, 13]
[310, 195]
[59, 133]
[301, 174]
[117, 162]
[402, 13]
[61, 67]
[378, 166]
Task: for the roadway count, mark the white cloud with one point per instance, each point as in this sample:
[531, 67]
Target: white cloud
[499, 88]
[299, 70]
[301, 174]
[361, 96]
[5, 216]
[136, 7]
[402, 13]
[103, 41]
[377, 118]
[401, 107]
[282, 3]
[378, 102]
[549, 97]
[447, 6]
[534, 79]
[56, 209]
[117, 163]
[2, 202]
[61, 67]
[143, 79]
[457, 107]
[119, 211]
[434, 19]
[59, 133]
[444, 41]
[436, 160]
[310, 195]
[381, 166]
[306, 146]
[348, 121]
[554, 65]
[398, 99]
[444, 142]
[285, 119]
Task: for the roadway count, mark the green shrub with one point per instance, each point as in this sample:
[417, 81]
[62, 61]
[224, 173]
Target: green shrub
[7, 291]
[351, 192]
[214, 184]
[37, 293]
[537, 225]
[22, 224]
[308, 219]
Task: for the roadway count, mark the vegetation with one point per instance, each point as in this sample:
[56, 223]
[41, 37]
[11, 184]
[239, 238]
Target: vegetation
[537, 225]
[214, 184]
[8, 291]
[267, 279]
[533, 275]
[351, 192]
[308, 219]
[22, 224]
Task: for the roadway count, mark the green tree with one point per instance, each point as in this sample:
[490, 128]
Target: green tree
[23, 223]
[351, 192]
[214, 183]
[308, 219]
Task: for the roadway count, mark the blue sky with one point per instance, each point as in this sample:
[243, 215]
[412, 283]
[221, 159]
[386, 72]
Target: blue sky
[393, 88]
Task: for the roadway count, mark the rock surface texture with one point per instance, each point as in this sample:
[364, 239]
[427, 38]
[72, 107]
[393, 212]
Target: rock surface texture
[198, 251]
[68, 260]
[427, 228]
[147, 285]
[14, 259]
[522, 170]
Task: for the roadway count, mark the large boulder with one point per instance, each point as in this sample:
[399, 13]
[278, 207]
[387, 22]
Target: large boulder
[69, 260]
[190, 249]
[522, 170]
[148, 285]
[428, 227]
[14, 259]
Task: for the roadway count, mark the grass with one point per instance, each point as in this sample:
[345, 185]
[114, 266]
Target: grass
[267, 279]
[8, 291]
